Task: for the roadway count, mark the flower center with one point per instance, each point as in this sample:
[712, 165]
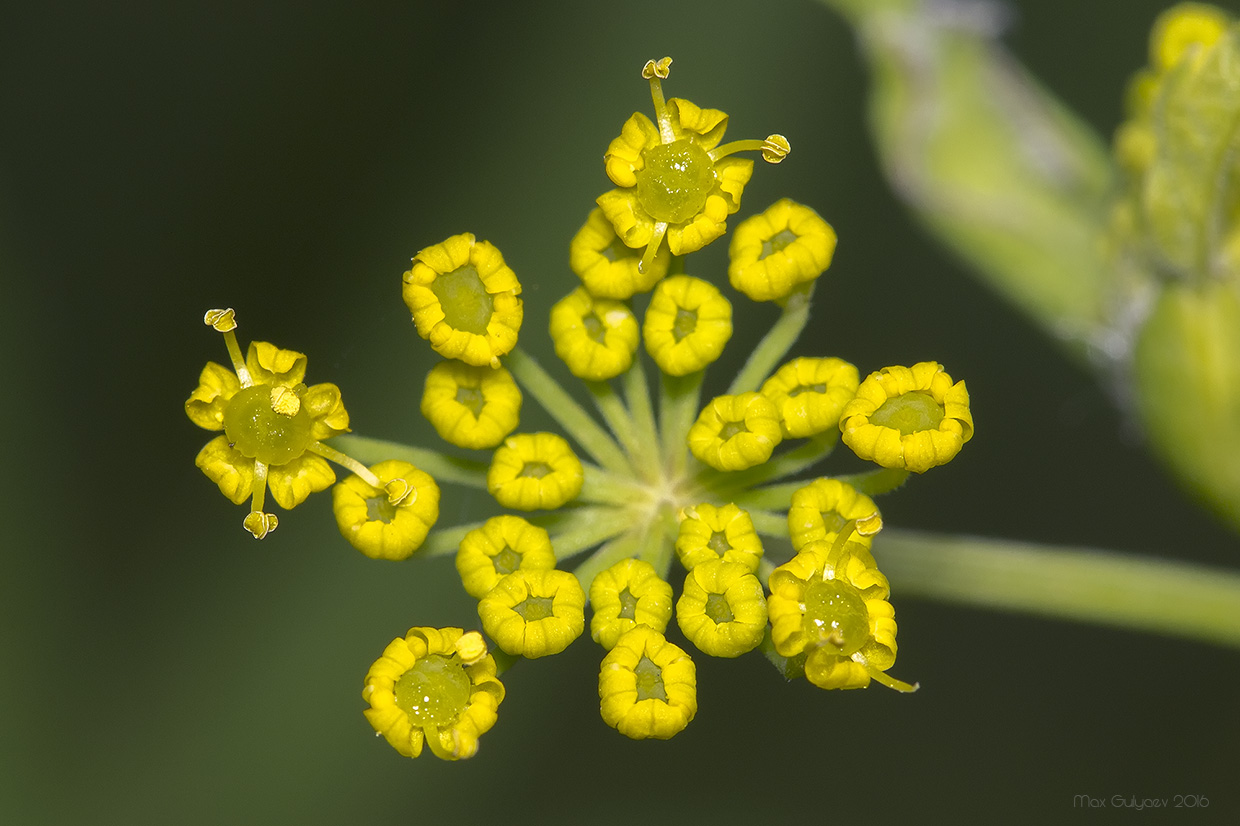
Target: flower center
[717, 608]
[594, 328]
[675, 181]
[649, 680]
[255, 428]
[628, 605]
[730, 429]
[507, 561]
[684, 325]
[836, 616]
[534, 470]
[806, 388]
[434, 692]
[533, 609]
[470, 397]
[466, 303]
[719, 543]
[909, 413]
[777, 242]
[378, 508]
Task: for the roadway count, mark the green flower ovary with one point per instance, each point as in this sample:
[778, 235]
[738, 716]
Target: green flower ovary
[909, 413]
[434, 692]
[835, 615]
[259, 432]
[466, 303]
[675, 181]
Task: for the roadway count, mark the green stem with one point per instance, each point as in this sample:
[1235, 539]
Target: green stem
[637, 391]
[678, 410]
[446, 540]
[775, 344]
[609, 554]
[442, 467]
[588, 527]
[769, 524]
[612, 408]
[788, 463]
[876, 482]
[564, 409]
[603, 488]
[1173, 598]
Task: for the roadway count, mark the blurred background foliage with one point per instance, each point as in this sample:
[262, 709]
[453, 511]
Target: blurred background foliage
[288, 159]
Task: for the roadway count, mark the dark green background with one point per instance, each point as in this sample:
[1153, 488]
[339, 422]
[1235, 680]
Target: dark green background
[160, 666]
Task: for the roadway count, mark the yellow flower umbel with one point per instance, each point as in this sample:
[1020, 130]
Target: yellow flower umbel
[389, 520]
[736, 432]
[676, 180]
[687, 324]
[594, 337]
[810, 394]
[828, 605]
[778, 250]
[464, 300]
[647, 686]
[819, 511]
[274, 427]
[722, 609]
[436, 686]
[709, 533]
[502, 545]
[471, 407]
[626, 595]
[535, 471]
[908, 417]
[534, 613]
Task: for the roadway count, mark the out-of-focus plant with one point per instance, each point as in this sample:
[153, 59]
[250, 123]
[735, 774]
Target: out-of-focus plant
[1130, 258]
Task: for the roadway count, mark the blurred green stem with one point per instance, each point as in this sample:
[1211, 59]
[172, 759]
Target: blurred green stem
[1085, 584]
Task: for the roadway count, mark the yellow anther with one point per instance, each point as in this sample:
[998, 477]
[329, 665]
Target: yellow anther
[285, 401]
[260, 524]
[471, 648]
[657, 68]
[221, 320]
[870, 525]
[398, 490]
[775, 148]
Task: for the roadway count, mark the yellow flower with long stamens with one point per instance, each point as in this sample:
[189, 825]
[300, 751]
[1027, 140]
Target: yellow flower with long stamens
[534, 613]
[533, 471]
[819, 511]
[722, 609]
[274, 427]
[810, 394]
[471, 407]
[647, 686]
[464, 300]
[607, 266]
[676, 180]
[436, 686]
[908, 417]
[502, 545]
[776, 251]
[708, 533]
[687, 324]
[595, 337]
[626, 595]
[390, 521]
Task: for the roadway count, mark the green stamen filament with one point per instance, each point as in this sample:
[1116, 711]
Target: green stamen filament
[835, 616]
[731, 429]
[717, 608]
[719, 543]
[535, 470]
[778, 242]
[649, 680]
[909, 413]
[595, 328]
[628, 605]
[466, 303]
[533, 609]
[506, 561]
[471, 398]
[434, 691]
[684, 325]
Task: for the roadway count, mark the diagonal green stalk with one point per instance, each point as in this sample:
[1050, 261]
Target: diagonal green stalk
[612, 408]
[446, 540]
[776, 343]
[588, 527]
[442, 467]
[564, 409]
[637, 391]
[1086, 584]
[603, 488]
[769, 524]
[878, 481]
[788, 463]
[609, 554]
[678, 410]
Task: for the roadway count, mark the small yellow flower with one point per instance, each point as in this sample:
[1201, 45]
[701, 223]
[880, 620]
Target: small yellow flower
[273, 425]
[1185, 27]
[722, 609]
[424, 689]
[626, 595]
[595, 337]
[535, 470]
[820, 510]
[534, 613]
[708, 533]
[810, 394]
[912, 418]
[687, 324]
[778, 250]
[390, 520]
[829, 605]
[607, 267]
[471, 407]
[675, 180]
[464, 300]
[736, 432]
[502, 545]
[647, 686]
